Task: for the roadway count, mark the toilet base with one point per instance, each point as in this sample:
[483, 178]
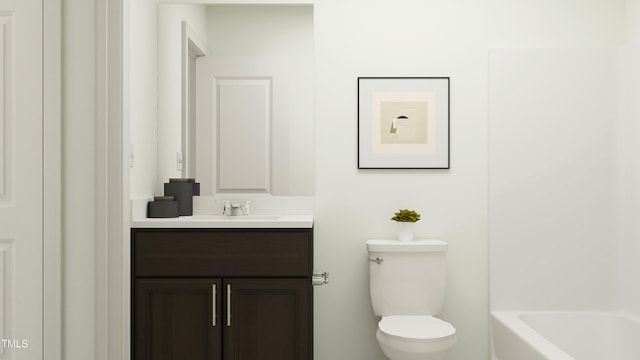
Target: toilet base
[396, 349]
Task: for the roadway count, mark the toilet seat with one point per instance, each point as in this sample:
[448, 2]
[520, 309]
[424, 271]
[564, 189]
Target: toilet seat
[416, 328]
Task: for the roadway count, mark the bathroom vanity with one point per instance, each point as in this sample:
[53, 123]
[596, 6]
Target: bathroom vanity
[222, 293]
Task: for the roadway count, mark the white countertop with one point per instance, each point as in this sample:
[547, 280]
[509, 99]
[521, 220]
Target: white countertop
[229, 222]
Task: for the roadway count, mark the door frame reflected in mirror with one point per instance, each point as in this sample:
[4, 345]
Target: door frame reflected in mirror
[192, 48]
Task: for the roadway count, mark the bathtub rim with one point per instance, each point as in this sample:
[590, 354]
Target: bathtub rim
[511, 319]
[520, 329]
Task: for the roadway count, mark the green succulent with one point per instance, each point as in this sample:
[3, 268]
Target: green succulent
[406, 215]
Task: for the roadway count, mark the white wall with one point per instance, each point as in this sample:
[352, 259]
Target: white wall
[565, 23]
[553, 179]
[143, 96]
[405, 38]
[78, 126]
[630, 159]
[592, 228]
[417, 38]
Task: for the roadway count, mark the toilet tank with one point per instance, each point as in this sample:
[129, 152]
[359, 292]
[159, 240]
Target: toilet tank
[409, 278]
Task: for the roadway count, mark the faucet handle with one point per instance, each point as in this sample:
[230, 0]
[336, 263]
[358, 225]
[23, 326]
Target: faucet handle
[226, 210]
[245, 207]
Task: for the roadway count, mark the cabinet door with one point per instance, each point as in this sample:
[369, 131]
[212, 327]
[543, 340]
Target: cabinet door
[177, 319]
[269, 319]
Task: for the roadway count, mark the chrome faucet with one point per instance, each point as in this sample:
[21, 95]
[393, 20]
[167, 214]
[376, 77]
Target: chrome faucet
[232, 209]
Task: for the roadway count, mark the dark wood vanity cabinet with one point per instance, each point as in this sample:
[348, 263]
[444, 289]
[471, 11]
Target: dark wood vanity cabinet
[222, 294]
[172, 319]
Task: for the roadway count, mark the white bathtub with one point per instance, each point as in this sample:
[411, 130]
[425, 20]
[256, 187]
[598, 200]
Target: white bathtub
[530, 335]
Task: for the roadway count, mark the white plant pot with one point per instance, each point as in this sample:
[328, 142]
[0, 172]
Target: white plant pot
[405, 231]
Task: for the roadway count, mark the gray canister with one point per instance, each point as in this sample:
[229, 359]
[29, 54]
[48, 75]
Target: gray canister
[183, 190]
[163, 207]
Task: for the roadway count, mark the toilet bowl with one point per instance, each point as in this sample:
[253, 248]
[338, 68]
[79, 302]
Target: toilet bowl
[415, 337]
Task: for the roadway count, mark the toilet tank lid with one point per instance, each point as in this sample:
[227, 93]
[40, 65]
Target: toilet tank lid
[386, 245]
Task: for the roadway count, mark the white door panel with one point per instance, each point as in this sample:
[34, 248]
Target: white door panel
[21, 184]
[242, 122]
[245, 131]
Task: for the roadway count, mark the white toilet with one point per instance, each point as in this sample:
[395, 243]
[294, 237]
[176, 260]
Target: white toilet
[407, 283]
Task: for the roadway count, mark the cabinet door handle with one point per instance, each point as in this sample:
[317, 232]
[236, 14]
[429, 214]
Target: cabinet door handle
[213, 304]
[228, 305]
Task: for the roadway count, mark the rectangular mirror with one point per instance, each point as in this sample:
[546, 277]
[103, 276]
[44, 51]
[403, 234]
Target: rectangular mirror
[234, 102]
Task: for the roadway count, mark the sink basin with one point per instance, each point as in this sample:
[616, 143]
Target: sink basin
[232, 218]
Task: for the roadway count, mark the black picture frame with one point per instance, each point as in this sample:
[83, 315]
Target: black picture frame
[404, 122]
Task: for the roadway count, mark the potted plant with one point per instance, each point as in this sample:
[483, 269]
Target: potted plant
[405, 218]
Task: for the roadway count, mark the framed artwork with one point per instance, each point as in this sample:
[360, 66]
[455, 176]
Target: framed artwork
[403, 122]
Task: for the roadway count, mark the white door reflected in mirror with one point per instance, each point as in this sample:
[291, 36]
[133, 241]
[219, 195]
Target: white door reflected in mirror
[242, 104]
